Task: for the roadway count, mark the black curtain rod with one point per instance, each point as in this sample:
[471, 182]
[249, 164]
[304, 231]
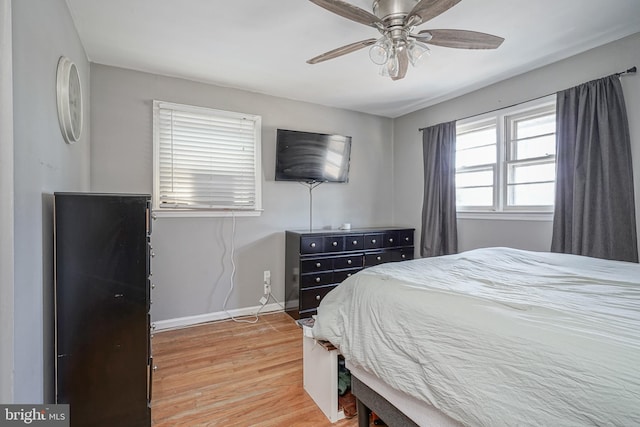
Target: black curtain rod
[631, 70]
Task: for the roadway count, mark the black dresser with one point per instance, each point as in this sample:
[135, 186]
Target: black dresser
[318, 261]
[103, 362]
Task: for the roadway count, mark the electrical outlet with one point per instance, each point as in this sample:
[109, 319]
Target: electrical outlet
[267, 277]
[267, 289]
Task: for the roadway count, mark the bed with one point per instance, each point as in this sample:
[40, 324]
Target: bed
[491, 337]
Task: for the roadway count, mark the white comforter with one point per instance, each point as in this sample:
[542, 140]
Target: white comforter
[498, 337]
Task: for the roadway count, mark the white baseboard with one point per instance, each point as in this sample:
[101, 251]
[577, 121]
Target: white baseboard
[183, 322]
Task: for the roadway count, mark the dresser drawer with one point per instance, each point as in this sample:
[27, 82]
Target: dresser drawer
[333, 243]
[376, 258]
[391, 239]
[403, 254]
[354, 242]
[373, 241]
[351, 261]
[310, 298]
[405, 238]
[311, 245]
[318, 279]
[340, 276]
[316, 264]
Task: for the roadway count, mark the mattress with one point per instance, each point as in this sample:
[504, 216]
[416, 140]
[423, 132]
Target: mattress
[497, 336]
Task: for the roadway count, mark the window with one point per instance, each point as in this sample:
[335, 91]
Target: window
[505, 160]
[206, 160]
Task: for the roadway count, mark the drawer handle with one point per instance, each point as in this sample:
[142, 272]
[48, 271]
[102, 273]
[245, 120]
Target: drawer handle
[313, 244]
[317, 280]
[318, 297]
[403, 256]
[390, 239]
[318, 265]
[355, 242]
[349, 262]
[334, 243]
[373, 241]
[406, 239]
[379, 258]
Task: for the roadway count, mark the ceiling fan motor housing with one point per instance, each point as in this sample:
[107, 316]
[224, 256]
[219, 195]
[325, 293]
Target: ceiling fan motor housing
[393, 9]
[393, 14]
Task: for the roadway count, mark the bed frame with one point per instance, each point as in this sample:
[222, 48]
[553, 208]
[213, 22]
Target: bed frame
[394, 407]
[368, 400]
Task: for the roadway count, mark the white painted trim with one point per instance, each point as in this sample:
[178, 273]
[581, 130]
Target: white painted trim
[183, 322]
[6, 207]
[508, 216]
[174, 213]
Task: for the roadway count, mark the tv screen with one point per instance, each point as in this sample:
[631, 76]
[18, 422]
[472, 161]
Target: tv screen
[312, 157]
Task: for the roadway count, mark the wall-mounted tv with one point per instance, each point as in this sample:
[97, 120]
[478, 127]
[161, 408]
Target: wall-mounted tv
[312, 157]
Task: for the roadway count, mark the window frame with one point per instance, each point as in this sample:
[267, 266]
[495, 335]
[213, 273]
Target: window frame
[226, 211]
[504, 119]
[475, 124]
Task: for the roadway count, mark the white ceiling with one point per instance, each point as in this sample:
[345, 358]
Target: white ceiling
[262, 45]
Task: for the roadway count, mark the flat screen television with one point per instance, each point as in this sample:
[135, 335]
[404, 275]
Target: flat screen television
[312, 157]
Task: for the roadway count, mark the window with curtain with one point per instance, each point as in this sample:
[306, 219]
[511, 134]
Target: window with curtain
[206, 161]
[505, 160]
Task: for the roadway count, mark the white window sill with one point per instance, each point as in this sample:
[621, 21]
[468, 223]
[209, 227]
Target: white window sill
[507, 216]
[203, 213]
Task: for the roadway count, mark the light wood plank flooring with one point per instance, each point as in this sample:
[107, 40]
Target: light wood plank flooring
[233, 374]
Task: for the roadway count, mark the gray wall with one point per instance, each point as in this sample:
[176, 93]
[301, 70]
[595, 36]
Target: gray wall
[534, 235]
[43, 163]
[192, 268]
[6, 207]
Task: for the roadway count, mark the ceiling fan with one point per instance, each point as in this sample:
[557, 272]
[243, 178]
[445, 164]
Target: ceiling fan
[399, 44]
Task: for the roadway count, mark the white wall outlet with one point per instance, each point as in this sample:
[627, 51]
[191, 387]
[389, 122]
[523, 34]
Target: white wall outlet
[267, 277]
[267, 289]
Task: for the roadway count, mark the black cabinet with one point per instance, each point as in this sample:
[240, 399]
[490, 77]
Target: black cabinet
[316, 262]
[102, 302]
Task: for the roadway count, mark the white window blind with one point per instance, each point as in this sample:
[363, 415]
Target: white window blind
[206, 159]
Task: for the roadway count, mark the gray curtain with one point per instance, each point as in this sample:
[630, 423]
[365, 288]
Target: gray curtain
[439, 228]
[594, 210]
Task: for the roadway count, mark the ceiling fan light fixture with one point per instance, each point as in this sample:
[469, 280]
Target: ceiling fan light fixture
[379, 53]
[417, 52]
[392, 67]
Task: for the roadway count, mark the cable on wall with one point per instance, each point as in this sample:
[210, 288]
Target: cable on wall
[243, 319]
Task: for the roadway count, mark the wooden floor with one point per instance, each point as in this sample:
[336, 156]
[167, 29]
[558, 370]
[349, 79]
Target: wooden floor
[233, 374]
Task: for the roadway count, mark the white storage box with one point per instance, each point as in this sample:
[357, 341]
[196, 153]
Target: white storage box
[320, 375]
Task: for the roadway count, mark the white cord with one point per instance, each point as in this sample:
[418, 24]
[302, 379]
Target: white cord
[274, 299]
[219, 235]
[233, 273]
